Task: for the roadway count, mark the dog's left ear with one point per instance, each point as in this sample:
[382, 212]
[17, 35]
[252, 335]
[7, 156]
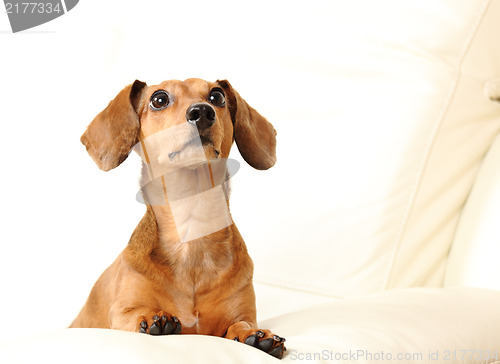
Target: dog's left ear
[111, 135]
[254, 135]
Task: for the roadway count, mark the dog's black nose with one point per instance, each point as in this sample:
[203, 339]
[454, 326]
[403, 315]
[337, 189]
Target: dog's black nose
[202, 115]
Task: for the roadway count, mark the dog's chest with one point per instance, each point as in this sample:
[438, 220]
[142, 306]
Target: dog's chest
[199, 271]
[195, 260]
[200, 262]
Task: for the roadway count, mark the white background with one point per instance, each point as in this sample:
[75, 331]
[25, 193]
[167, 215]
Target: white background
[63, 221]
[356, 90]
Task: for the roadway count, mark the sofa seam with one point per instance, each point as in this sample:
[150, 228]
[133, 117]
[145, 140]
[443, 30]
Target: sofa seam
[303, 288]
[431, 144]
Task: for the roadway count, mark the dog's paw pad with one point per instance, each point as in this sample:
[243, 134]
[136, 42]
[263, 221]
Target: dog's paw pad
[277, 352]
[161, 324]
[155, 328]
[168, 327]
[267, 342]
[177, 324]
[252, 340]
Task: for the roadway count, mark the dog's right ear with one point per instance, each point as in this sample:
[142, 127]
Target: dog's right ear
[111, 135]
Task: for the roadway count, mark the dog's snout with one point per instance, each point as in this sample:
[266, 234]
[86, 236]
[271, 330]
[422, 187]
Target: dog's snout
[201, 114]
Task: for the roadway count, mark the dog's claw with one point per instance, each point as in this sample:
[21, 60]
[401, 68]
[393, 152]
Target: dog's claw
[144, 326]
[279, 339]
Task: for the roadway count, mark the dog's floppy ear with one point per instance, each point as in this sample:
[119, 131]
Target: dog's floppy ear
[254, 135]
[111, 135]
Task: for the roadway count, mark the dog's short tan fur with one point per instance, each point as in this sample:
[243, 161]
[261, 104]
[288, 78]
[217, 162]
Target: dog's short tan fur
[206, 283]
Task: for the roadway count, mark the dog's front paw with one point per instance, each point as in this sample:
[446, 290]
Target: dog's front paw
[264, 340]
[159, 323]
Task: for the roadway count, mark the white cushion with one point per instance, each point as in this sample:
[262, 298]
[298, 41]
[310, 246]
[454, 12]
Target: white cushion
[378, 147]
[415, 322]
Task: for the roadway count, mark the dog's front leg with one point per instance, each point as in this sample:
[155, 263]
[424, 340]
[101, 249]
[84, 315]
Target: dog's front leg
[142, 319]
[265, 340]
[139, 307]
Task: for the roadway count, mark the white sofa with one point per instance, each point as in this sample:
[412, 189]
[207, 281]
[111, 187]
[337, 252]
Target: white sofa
[376, 236]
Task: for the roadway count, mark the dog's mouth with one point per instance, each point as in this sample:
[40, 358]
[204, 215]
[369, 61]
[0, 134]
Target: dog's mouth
[191, 149]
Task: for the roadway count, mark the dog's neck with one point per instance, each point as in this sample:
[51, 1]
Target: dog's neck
[193, 220]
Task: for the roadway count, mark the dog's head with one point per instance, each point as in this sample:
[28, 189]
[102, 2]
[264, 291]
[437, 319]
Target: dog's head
[212, 111]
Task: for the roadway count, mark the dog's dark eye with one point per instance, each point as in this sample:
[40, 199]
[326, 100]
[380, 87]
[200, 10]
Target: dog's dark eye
[159, 100]
[217, 97]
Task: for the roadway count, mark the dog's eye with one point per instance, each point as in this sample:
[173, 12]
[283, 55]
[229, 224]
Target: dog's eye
[159, 100]
[217, 97]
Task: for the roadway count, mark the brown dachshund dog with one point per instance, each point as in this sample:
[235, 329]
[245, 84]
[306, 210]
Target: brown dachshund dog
[165, 281]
